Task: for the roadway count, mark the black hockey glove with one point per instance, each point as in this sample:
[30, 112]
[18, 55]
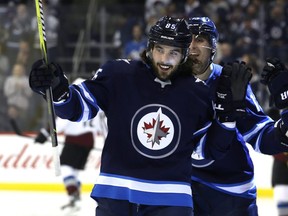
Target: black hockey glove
[275, 76]
[42, 136]
[231, 91]
[43, 76]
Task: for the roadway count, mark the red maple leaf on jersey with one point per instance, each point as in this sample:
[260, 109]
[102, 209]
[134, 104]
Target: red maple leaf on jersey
[155, 131]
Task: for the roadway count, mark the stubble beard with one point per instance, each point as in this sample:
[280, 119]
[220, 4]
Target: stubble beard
[160, 76]
[196, 66]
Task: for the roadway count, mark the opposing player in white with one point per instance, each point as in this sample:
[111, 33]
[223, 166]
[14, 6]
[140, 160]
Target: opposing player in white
[79, 141]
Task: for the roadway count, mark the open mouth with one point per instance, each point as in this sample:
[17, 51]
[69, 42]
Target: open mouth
[193, 58]
[193, 54]
[164, 67]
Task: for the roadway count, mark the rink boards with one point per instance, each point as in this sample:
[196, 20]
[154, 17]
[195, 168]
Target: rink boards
[27, 166]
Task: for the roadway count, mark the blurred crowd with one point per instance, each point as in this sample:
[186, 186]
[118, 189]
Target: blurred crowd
[19, 47]
[249, 30]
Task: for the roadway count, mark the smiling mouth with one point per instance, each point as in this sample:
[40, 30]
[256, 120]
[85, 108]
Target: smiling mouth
[193, 54]
[164, 67]
[193, 59]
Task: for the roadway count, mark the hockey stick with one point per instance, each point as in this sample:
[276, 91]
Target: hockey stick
[18, 132]
[16, 129]
[49, 96]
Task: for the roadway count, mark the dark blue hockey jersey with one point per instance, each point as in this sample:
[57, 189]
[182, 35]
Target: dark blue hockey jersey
[234, 173]
[153, 127]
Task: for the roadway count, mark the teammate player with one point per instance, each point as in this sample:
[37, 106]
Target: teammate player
[226, 186]
[79, 141]
[156, 115]
[279, 177]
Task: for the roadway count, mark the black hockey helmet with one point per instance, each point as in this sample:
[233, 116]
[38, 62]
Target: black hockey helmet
[205, 26]
[172, 32]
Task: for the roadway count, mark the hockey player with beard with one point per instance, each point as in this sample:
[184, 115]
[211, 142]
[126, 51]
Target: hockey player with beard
[226, 186]
[156, 115]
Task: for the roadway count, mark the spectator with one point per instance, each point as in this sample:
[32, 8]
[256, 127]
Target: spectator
[24, 54]
[217, 9]
[248, 40]
[17, 93]
[253, 13]
[155, 8]
[276, 31]
[133, 48]
[224, 52]
[3, 34]
[194, 8]
[4, 67]
[123, 34]
[19, 28]
[235, 21]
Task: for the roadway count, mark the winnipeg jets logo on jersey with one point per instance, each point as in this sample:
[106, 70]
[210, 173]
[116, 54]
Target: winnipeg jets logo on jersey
[155, 131]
